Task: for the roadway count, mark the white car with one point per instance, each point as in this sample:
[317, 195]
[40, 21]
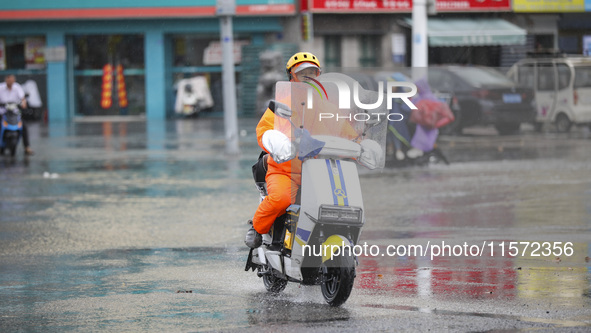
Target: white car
[562, 89]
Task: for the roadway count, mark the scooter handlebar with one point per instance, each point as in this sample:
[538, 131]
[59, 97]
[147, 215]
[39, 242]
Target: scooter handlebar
[338, 147]
[10, 106]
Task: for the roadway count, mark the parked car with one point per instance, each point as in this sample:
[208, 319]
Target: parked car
[485, 97]
[562, 87]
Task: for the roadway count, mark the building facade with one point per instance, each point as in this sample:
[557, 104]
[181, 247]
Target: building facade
[483, 32]
[150, 45]
[79, 56]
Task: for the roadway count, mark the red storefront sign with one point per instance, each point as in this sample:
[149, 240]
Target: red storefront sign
[473, 5]
[403, 6]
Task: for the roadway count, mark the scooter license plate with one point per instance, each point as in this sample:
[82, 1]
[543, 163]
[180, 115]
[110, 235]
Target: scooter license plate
[511, 98]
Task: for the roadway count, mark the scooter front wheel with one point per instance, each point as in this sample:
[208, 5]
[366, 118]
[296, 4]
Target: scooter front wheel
[338, 279]
[274, 284]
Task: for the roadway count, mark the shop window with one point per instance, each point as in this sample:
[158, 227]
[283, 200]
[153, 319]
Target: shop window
[91, 54]
[544, 42]
[15, 55]
[189, 51]
[201, 55]
[370, 51]
[332, 51]
[569, 44]
[203, 50]
[22, 53]
[95, 51]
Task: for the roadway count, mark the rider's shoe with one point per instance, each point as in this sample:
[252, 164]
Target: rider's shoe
[29, 151]
[253, 239]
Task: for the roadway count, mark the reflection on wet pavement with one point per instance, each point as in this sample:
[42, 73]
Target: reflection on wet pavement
[478, 277]
[138, 226]
[206, 289]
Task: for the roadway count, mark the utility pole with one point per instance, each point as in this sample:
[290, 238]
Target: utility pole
[225, 9]
[420, 56]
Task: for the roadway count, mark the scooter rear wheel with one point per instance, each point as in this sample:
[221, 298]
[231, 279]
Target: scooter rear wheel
[338, 281]
[274, 284]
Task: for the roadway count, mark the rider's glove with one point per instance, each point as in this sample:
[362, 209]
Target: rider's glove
[278, 145]
[371, 154]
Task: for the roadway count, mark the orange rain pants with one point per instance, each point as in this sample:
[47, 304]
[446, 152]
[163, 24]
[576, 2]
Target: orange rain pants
[282, 192]
[283, 179]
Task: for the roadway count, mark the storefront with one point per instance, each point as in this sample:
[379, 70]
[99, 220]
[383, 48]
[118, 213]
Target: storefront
[122, 57]
[563, 26]
[378, 32]
[477, 41]
[575, 33]
[23, 56]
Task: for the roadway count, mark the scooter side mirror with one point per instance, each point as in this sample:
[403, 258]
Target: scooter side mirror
[280, 109]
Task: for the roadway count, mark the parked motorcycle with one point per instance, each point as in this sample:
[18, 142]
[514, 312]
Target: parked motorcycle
[314, 242]
[12, 128]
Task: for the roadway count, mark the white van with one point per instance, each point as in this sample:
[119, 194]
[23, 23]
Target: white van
[562, 87]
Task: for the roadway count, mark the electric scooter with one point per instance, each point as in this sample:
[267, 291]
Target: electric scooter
[12, 128]
[313, 243]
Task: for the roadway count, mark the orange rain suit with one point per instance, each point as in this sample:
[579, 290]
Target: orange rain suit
[283, 180]
[282, 185]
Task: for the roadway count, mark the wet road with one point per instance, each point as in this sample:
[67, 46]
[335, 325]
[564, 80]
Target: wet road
[135, 226]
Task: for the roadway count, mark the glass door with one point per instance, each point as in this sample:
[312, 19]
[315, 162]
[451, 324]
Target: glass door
[109, 75]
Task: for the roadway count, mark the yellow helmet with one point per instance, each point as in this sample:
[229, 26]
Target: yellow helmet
[301, 57]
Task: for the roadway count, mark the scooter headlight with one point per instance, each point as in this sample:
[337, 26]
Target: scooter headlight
[338, 214]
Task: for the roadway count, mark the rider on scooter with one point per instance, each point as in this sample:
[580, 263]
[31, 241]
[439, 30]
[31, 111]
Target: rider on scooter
[281, 187]
[12, 92]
